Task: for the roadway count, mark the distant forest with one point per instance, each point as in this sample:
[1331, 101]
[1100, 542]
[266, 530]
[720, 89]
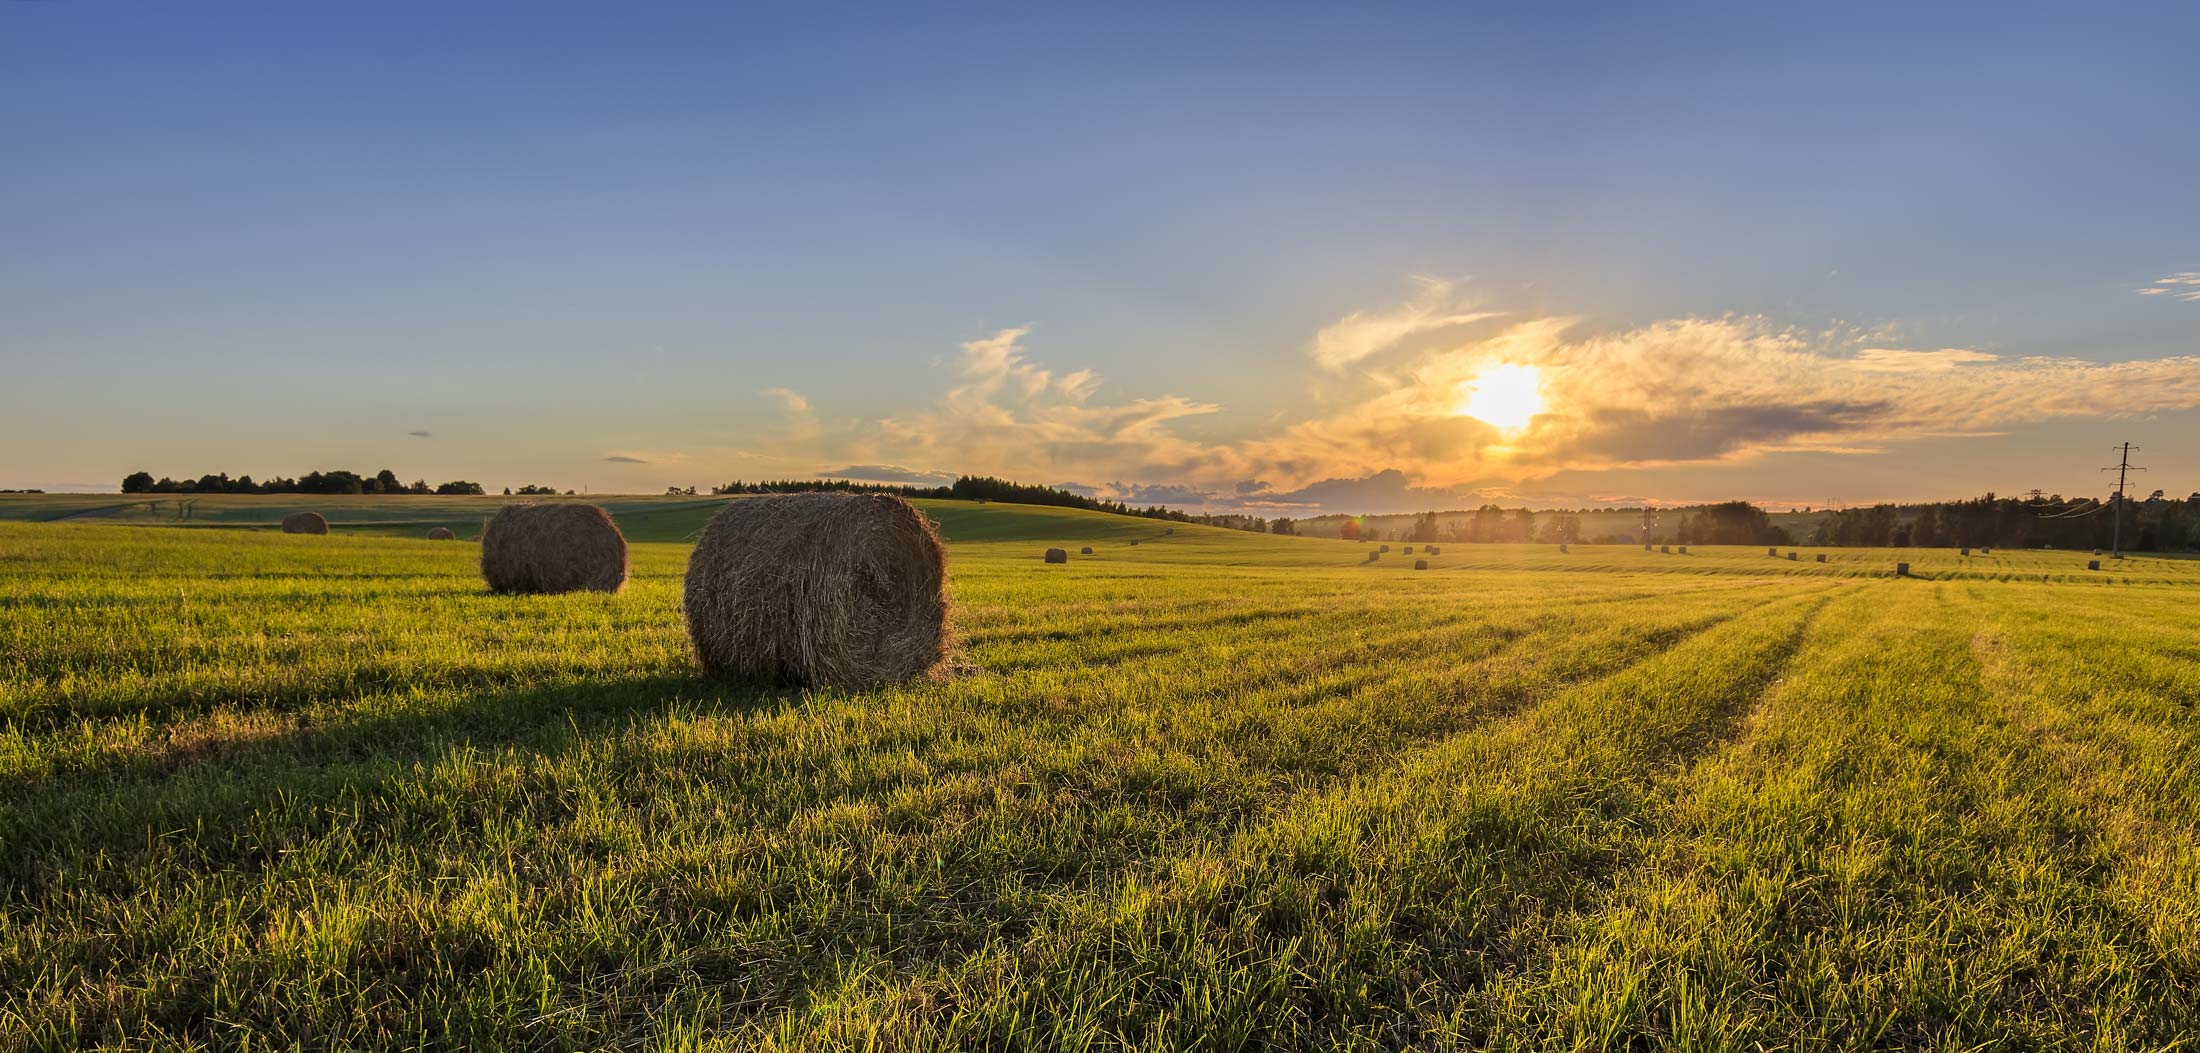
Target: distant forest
[336, 482]
[2155, 524]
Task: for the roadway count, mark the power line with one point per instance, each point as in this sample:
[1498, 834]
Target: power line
[2123, 468]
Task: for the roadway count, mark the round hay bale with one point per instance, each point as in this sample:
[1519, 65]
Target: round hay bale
[1420, 564]
[305, 523]
[1562, 547]
[1821, 557]
[1385, 548]
[813, 589]
[1055, 555]
[1373, 556]
[1085, 551]
[2092, 564]
[1409, 550]
[553, 548]
[442, 534]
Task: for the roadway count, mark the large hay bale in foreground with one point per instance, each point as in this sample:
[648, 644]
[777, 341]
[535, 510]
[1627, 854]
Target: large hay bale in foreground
[305, 523]
[811, 589]
[1055, 555]
[553, 548]
[442, 534]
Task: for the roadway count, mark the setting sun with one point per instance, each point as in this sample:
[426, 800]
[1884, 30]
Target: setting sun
[1507, 396]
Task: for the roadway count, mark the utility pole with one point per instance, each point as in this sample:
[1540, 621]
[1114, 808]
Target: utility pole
[2123, 468]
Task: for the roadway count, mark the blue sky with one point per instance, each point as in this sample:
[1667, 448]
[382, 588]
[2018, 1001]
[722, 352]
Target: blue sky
[1844, 253]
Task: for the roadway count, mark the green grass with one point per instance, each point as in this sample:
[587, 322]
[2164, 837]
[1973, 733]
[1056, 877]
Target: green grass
[1214, 790]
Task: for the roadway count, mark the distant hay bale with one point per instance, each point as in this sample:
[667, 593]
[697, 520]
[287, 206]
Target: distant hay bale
[1772, 552]
[1373, 556]
[1085, 551]
[442, 534]
[1984, 551]
[1794, 555]
[2092, 564]
[1420, 564]
[1648, 547]
[1562, 547]
[1409, 550]
[1902, 570]
[1434, 551]
[1055, 555]
[553, 548]
[2096, 552]
[1667, 549]
[1683, 550]
[305, 523]
[1964, 551]
[1821, 557]
[819, 588]
[1385, 548]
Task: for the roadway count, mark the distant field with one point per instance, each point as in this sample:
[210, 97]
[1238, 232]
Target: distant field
[1214, 790]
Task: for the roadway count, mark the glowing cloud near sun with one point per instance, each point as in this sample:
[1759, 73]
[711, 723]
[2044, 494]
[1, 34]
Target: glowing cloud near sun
[1505, 396]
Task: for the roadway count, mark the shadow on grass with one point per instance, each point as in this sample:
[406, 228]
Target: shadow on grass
[217, 780]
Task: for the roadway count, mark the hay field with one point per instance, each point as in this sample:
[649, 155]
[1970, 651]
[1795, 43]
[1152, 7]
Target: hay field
[1216, 791]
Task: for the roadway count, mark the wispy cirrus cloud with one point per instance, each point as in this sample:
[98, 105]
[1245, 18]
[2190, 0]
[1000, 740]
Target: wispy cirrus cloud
[798, 422]
[1007, 415]
[2183, 285]
[619, 458]
[1363, 333]
[418, 434]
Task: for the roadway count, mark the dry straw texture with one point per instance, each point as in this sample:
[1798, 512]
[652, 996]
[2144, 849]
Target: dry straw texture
[305, 523]
[442, 534]
[553, 548]
[814, 589]
[1055, 555]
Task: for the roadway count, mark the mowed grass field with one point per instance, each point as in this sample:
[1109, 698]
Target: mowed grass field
[1212, 791]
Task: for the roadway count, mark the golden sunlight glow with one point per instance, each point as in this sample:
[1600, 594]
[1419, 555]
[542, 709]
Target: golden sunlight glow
[1507, 396]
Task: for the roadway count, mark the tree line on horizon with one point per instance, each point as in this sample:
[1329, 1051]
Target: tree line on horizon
[2155, 524]
[332, 482]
